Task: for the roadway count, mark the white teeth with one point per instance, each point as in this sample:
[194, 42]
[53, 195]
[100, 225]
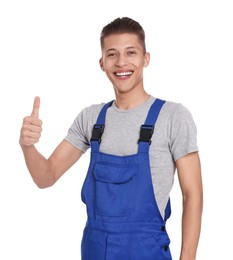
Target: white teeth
[124, 73]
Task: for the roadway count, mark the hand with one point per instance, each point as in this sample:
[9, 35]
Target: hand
[31, 128]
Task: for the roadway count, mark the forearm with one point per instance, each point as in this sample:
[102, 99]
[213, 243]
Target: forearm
[191, 226]
[38, 166]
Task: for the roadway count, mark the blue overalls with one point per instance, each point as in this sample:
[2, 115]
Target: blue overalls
[124, 222]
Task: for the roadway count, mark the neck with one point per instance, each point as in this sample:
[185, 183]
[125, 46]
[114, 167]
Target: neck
[131, 100]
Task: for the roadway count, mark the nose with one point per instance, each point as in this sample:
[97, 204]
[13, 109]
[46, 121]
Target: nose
[121, 61]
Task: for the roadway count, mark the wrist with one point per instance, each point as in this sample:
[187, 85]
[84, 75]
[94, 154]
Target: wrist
[187, 255]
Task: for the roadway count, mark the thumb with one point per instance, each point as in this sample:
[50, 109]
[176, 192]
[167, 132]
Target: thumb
[36, 107]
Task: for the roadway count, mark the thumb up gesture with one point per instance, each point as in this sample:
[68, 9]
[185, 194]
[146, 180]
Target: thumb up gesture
[31, 128]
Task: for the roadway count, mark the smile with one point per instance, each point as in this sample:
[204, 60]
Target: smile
[123, 74]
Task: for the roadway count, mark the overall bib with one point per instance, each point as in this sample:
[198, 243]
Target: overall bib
[124, 222]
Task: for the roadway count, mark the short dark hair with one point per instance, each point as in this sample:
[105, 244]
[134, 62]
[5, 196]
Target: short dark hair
[123, 25]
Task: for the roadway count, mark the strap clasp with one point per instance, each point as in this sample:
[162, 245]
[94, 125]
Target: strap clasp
[146, 133]
[97, 132]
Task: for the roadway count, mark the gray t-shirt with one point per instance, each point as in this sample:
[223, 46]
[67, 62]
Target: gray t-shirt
[174, 137]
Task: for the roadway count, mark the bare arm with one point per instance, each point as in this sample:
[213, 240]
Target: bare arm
[45, 172]
[189, 173]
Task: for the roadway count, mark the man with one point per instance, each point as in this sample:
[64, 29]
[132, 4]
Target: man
[137, 143]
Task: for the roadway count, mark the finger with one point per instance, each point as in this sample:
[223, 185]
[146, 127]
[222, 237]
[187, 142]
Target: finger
[29, 120]
[32, 128]
[36, 107]
[30, 135]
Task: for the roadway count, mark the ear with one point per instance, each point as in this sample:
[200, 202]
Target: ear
[101, 64]
[147, 59]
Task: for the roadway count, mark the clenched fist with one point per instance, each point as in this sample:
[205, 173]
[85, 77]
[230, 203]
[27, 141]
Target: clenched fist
[31, 128]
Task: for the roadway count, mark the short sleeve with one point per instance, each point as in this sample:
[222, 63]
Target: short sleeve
[78, 132]
[183, 133]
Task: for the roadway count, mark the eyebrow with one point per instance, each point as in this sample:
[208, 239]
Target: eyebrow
[127, 48]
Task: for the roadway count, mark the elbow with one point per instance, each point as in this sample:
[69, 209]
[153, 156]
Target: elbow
[45, 178]
[194, 200]
[196, 195]
[43, 184]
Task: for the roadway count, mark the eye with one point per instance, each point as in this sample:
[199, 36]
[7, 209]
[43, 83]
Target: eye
[131, 53]
[112, 54]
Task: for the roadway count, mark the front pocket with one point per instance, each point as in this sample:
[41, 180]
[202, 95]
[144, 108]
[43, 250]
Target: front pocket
[114, 189]
[146, 246]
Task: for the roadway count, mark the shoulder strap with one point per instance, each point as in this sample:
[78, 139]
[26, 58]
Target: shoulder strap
[154, 111]
[102, 114]
[98, 128]
[147, 129]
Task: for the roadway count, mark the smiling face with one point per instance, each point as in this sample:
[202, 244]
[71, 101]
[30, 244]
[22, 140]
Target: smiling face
[123, 60]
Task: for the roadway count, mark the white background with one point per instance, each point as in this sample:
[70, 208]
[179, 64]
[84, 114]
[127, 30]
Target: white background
[51, 49]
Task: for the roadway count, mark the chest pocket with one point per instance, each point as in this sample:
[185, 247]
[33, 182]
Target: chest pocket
[114, 196]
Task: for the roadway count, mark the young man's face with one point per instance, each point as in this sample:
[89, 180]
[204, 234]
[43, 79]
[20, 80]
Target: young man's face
[123, 60]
